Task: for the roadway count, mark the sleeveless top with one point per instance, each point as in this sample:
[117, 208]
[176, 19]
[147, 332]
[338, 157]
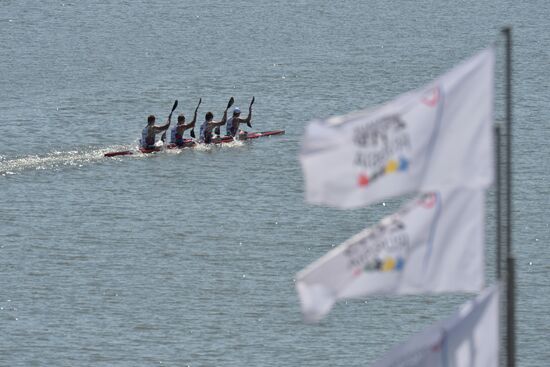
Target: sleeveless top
[205, 133]
[176, 138]
[229, 129]
[144, 143]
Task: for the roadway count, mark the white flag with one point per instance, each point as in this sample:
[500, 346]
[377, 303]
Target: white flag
[469, 338]
[436, 137]
[433, 244]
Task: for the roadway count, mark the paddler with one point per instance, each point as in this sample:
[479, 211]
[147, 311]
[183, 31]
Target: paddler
[149, 132]
[176, 133]
[209, 124]
[232, 127]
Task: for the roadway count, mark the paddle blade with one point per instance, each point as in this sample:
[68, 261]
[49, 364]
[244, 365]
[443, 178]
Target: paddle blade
[163, 137]
[249, 124]
[252, 101]
[173, 108]
[230, 103]
[193, 133]
[217, 131]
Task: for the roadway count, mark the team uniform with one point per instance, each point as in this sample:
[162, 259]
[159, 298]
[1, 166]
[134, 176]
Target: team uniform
[232, 127]
[176, 138]
[147, 141]
[206, 132]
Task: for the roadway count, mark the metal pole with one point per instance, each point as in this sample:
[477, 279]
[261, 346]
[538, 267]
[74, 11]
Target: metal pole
[508, 141]
[510, 320]
[498, 194]
[498, 220]
[510, 279]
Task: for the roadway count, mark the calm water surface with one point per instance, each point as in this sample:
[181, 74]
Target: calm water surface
[188, 258]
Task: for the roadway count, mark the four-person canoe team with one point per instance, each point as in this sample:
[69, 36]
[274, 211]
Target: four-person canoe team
[207, 128]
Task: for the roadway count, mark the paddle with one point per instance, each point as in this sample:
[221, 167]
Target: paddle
[163, 136]
[196, 109]
[229, 104]
[250, 111]
[173, 108]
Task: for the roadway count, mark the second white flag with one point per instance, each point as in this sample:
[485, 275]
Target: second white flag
[433, 244]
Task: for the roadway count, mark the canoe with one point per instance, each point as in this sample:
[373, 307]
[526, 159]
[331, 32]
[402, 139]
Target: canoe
[189, 143]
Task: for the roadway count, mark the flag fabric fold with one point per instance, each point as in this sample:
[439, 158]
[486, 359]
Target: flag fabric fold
[436, 137]
[433, 244]
[469, 338]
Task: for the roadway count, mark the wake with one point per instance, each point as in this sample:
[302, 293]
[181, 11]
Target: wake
[79, 158]
[53, 160]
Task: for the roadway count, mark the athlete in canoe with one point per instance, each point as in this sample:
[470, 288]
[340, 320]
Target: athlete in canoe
[176, 133]
[150, 131]
[209, 124]
[232, 126]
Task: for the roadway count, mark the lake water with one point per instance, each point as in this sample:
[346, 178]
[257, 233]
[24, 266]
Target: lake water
[188, 257]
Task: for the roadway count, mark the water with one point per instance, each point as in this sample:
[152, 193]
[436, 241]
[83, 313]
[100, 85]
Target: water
[188, 258]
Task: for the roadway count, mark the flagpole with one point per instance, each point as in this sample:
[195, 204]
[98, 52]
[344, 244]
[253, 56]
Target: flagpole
[498, 194]
[510, 274]
[498, 219]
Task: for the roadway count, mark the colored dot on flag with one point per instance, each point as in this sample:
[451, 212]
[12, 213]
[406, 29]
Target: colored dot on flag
[391, 166]
[400, 264]
[403, 164]
[389, 264]
[363, 180]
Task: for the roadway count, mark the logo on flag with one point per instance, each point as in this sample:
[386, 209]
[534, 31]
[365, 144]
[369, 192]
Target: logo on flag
[391, 240]
[382, 148]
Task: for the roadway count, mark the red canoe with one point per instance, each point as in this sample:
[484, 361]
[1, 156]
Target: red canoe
[188, 143]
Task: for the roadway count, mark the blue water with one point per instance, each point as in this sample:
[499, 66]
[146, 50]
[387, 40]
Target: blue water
[188, 257]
